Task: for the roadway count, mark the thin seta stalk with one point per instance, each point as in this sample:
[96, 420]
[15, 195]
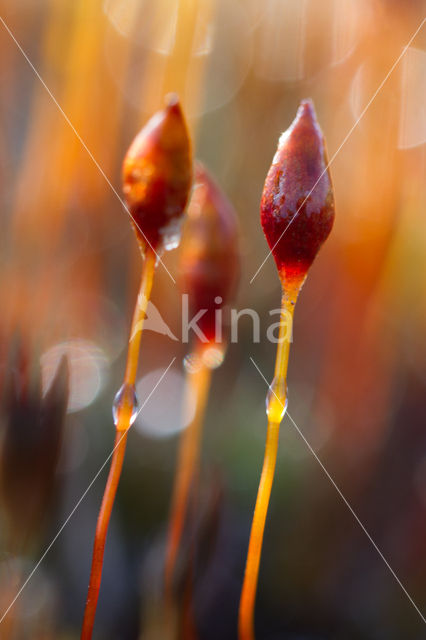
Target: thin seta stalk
[276, 405]
[297, 214]
[125, 411]
[157, 176]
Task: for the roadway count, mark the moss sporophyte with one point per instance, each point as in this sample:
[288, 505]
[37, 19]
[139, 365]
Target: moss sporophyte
[297, 214]
[157, 176]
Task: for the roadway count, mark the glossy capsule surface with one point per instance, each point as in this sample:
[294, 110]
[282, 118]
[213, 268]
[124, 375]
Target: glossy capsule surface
[157, 176]
[297, 207]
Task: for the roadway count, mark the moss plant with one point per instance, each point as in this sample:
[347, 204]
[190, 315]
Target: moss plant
[297, 214]
[209, 271]
[157, 174]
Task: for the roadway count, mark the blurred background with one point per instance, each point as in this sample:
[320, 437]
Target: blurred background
[69, 271]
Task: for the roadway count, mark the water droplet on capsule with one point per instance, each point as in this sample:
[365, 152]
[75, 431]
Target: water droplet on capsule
[170, 236]
[171, 242]
[125, 407]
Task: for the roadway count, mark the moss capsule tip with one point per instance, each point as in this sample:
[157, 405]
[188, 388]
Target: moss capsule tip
[172, 102]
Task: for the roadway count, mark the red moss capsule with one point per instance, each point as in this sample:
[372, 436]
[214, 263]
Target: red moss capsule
[297, 208]
[157, 175]
[210, 253]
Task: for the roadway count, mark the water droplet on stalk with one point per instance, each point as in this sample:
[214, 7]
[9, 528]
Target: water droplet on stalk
[125, 407]
[276, 400]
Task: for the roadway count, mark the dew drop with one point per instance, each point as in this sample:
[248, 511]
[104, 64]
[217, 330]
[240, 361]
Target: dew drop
[276, 400]
[170, 235]
[171, 241]
[125, 407]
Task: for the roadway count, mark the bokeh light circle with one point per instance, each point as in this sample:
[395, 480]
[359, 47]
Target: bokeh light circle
[87, 368]
[161, 414]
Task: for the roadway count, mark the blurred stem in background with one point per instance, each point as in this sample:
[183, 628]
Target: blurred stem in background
[196, 392]
[209, 271]
[34, 425]
[192, 18]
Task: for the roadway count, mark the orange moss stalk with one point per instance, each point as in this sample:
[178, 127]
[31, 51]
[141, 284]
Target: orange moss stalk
[209, 271]
[157, 176]
[197, 391]
[297, 214]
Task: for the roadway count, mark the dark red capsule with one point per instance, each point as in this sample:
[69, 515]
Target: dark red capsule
[297, 207]
[210, 257]
[157, 176]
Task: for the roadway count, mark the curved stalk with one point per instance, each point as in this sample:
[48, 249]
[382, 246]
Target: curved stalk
[123, 423]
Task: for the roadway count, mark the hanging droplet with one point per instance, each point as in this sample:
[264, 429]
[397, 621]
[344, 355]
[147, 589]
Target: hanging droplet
[125, 407]
[276, 400]
[170, 236]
